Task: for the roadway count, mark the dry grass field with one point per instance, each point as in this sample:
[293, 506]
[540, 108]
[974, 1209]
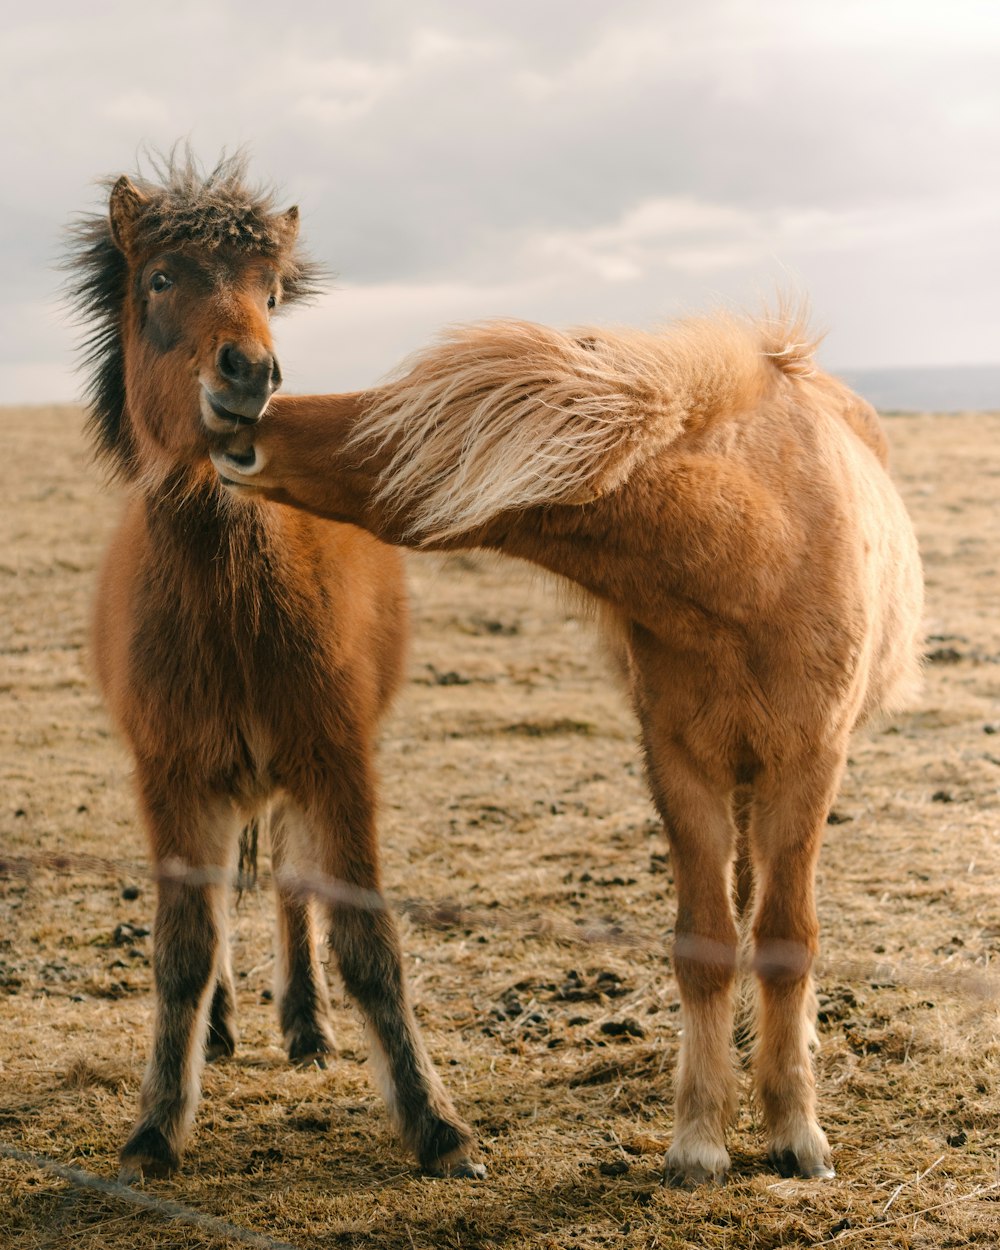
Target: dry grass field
[513, 804]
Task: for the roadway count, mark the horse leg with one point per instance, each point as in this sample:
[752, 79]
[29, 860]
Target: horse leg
[789, 819]
[301, 989]
[699, 824]
[191, 845]
[366, 946]
[222, 1033]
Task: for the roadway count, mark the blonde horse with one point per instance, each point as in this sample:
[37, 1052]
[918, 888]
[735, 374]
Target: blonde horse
[728, 505]
[245, 651]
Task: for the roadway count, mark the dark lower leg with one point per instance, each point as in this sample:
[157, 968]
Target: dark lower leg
[186, 939]
[221, 1040]
[367, 950]
[303, 998]
[300, 980]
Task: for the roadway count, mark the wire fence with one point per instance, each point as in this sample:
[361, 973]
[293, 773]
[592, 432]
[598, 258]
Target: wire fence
[445, 915]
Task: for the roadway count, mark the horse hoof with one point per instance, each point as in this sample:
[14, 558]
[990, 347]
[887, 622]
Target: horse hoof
[147, 1153]
[219, 1046]
[309, 1048]
[450, 1150]
[691, 1176]
[466, 1170]
[695, 1162]
[458, 1169]
[786, 1163]
[311, 1059]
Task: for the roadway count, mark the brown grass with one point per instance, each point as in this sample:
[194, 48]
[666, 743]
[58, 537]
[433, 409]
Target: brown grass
[512, 789]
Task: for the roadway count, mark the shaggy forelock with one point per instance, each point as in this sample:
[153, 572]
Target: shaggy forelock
[186, 205]
[220, 208]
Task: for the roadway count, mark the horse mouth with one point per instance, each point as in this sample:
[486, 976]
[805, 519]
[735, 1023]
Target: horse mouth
[242, 460]
[220, 419]
[243, 463]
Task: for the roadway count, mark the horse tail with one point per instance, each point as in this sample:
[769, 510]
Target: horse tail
[508, 415]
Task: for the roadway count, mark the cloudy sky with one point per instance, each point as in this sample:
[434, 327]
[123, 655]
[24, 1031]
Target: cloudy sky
[565, 160]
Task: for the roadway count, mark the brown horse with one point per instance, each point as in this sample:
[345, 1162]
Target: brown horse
[728, 506]
[246, 651]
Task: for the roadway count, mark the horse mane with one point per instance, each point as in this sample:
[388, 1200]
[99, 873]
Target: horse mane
[185, 205]
[509, 415]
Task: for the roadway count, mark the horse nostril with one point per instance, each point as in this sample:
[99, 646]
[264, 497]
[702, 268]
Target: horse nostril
[254, 371]
[232, 363]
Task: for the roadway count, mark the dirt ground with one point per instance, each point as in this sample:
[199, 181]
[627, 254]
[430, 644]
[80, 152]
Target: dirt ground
[512, 789]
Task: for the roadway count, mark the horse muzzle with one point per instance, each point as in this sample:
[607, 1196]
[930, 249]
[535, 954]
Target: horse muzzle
[237, 391]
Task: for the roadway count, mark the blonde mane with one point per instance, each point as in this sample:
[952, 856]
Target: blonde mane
[511, 415]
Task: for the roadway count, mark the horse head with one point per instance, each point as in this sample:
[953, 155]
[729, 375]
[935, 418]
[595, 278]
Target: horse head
[190, 270]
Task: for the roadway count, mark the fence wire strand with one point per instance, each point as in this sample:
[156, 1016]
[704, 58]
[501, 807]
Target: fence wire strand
[447, 915]
[166, 1208]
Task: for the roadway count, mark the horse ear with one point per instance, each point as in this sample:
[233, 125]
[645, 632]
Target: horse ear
[288, 224]
[124, 209]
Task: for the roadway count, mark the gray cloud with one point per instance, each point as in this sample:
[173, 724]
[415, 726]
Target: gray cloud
[566, 161]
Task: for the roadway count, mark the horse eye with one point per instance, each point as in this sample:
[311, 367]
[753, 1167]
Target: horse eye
[272, 302]
[159, 281]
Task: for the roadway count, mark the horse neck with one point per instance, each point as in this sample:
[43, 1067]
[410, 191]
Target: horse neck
[196, 528]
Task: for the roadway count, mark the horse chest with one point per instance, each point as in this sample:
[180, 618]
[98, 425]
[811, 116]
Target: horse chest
[225, 651]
